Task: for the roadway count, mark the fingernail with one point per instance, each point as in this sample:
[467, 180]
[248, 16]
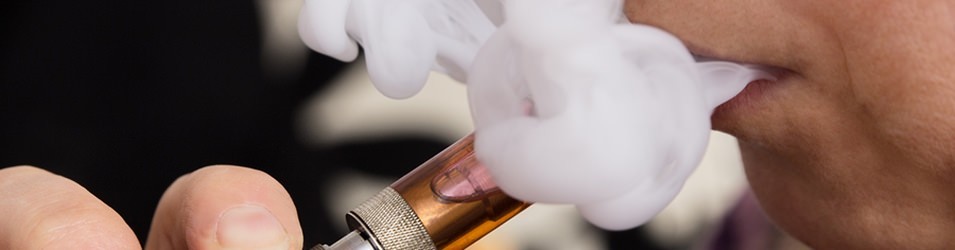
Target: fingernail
[250, 227]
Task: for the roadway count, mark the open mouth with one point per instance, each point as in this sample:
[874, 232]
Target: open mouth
[775, 73]
[755, 94]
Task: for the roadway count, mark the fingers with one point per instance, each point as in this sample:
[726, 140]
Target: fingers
[41, 210]
[225, 207]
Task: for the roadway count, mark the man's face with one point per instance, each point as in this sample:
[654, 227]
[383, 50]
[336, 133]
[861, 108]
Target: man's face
[858, 134]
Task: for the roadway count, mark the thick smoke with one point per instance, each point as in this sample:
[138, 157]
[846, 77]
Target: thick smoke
[571, 105]
[403, 40]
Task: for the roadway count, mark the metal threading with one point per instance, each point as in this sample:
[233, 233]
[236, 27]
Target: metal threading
[390, 223]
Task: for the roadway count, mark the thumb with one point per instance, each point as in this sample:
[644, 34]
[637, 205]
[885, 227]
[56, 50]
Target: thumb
[42, 210]
[225, 207]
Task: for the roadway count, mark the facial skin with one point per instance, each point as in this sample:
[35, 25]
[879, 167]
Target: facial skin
[854, 146]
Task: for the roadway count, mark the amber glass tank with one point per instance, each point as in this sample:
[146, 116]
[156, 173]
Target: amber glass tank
[449, 202]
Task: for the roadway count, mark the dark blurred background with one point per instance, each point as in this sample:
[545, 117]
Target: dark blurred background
[125, 96]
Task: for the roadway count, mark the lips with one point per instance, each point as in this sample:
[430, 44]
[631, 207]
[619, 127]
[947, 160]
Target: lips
[754, 96]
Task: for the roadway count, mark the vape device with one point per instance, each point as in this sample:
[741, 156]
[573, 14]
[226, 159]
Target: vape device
[449, 202]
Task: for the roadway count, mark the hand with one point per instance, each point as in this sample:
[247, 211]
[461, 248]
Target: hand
[216, 207]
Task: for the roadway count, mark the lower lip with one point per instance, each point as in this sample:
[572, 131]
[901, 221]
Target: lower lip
[752, 95]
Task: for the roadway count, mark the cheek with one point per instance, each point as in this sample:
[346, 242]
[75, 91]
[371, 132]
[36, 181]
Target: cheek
[914, 120]
[902, 89]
